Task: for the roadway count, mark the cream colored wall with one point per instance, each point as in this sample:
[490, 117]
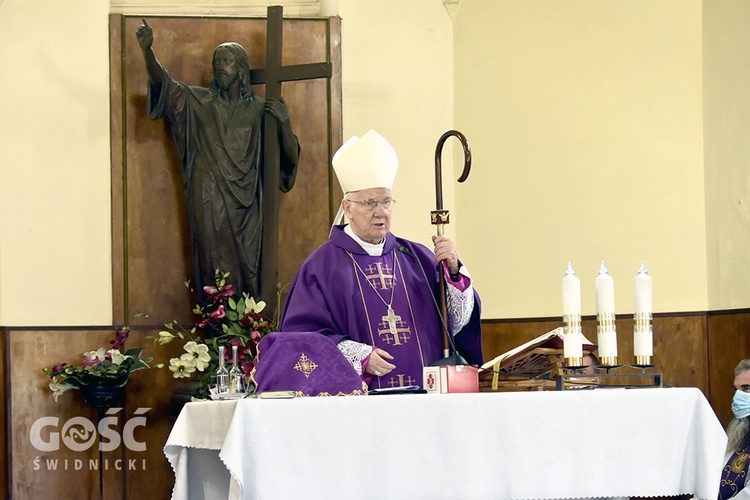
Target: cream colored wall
[727, 151]
[585, 119]
[397, 78]
[586, 123]
[55, 250]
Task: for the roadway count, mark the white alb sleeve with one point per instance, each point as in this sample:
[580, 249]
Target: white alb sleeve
[460, 304]
[355, 353]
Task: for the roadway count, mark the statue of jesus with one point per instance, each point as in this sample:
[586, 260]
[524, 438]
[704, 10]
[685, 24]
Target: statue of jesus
[218, 132]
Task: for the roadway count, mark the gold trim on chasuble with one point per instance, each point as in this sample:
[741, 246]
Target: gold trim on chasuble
[735, 468]
[377, 277]
[305, 365]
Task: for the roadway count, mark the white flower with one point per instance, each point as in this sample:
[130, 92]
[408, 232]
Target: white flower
[58, 388]
[99, 355]
[198, 353]
[165, 337]
[252, 306]
[181, 368]
[117, 357]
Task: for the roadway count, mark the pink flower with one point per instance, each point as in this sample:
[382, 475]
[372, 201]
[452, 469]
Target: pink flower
[58, 368]
[241, 350]
[217, 314]
[120, 337]
[217, 294]
[250, 319]
[247, 367]
[92, 358]
[255, 336]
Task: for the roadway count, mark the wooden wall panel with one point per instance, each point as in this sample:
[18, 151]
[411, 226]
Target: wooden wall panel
[117, 162]
[66, 472]
[698, 350]
[4, 410]
[151, 237]
[680, 347]
[729, 342]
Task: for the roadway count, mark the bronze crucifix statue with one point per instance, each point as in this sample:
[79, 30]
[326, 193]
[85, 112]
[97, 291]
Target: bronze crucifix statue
[234, 149]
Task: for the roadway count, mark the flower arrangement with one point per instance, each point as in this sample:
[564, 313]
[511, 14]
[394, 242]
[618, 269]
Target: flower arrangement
[227, 319]
[103, 367]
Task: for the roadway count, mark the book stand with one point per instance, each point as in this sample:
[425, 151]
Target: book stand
[542, 368]
[537, 369]
[606, 376]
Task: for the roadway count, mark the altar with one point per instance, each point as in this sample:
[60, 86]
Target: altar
[522, 445]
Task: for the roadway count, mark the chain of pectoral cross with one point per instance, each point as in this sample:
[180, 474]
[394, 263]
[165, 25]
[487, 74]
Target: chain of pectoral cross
[391, 318]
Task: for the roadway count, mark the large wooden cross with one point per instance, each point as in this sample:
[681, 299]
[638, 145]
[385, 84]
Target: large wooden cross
[272, 76]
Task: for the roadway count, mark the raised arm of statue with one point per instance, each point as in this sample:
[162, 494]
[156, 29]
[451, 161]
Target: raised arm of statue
[145, 37]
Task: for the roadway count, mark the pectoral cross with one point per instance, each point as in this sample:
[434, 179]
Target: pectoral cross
[392, 319]
[392, 332]
[272, 75]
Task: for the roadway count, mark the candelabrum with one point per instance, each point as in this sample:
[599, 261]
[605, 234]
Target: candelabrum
[572, 340]
[606, 339]
[643, 338]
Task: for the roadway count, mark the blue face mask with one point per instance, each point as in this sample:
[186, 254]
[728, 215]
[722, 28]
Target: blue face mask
[741, 404]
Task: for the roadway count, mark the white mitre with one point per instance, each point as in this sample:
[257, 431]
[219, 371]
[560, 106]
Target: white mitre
[364, 163]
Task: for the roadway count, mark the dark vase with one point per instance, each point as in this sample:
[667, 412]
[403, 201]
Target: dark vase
[103, 396]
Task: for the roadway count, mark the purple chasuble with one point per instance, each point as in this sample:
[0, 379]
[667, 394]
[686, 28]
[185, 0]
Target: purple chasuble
[344, 293]
[734, 474]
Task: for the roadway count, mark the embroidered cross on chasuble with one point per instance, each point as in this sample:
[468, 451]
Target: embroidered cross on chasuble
[391, 320]
[734, 474]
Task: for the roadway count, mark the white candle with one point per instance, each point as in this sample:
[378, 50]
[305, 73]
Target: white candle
[571, 293]
[605, 291]
[643, 340]
[571, 299]
[643, 343]
[572, 345]
[605, 310]
[643, 291]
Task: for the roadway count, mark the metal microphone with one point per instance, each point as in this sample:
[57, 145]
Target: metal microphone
[455, 358]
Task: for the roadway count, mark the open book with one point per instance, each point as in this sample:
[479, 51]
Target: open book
[527, 359]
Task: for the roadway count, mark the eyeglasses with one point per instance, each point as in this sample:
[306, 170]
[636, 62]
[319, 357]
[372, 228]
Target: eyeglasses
[371, 204]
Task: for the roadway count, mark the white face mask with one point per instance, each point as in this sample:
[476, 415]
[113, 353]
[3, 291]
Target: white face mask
[741, 404]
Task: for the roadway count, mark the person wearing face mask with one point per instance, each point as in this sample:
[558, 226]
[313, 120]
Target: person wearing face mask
[373, 293]
[735, 482]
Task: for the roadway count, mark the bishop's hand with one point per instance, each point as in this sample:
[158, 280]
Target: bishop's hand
[445, 249]
[378, 364]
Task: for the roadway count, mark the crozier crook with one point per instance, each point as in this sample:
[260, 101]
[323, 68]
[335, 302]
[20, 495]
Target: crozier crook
[440, 217]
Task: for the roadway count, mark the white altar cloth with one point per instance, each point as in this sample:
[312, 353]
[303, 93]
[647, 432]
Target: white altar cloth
[525, 445]
[193, 451]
